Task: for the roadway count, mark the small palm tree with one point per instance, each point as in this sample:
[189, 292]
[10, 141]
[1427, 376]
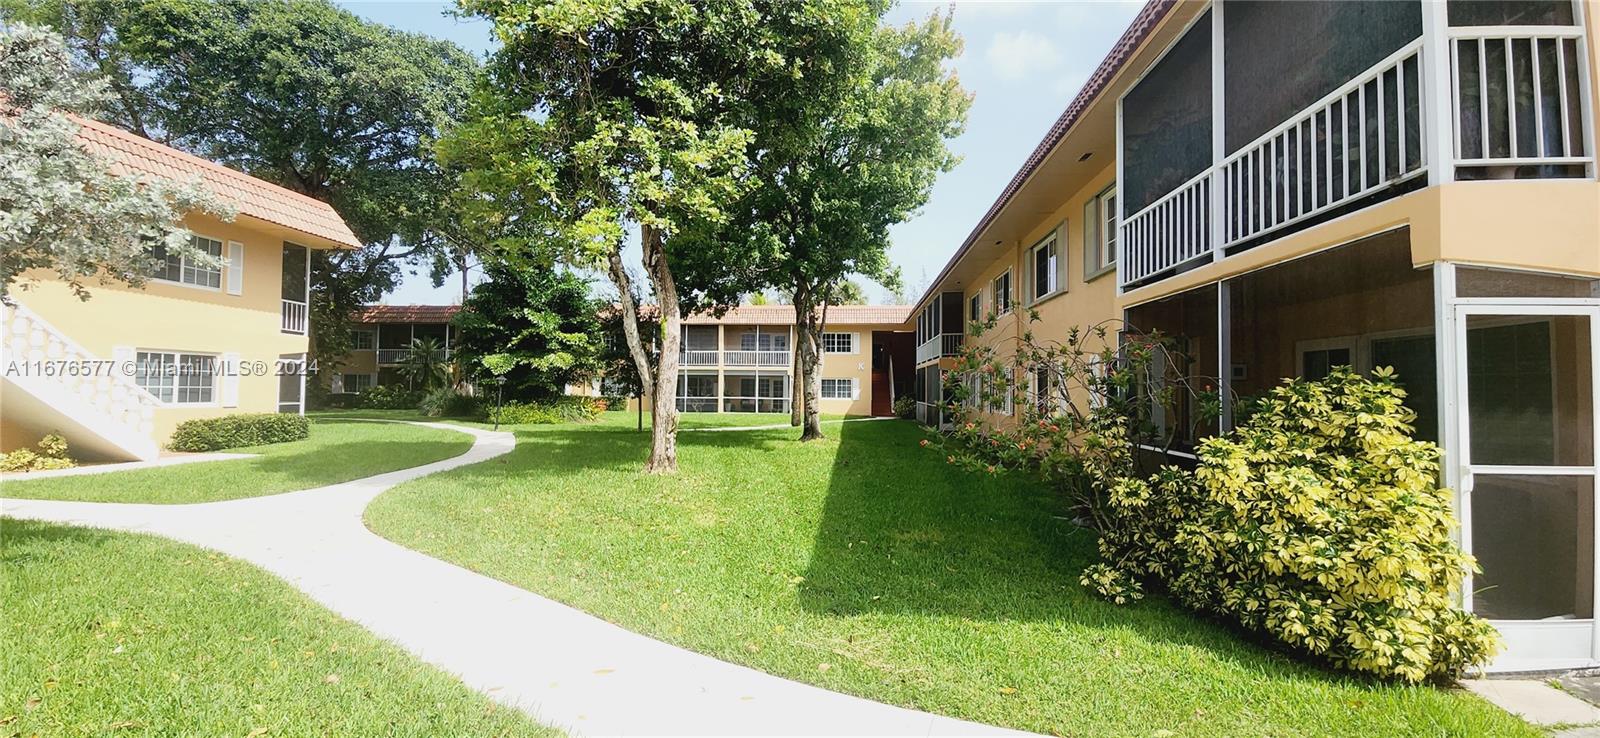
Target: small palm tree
[424, 364]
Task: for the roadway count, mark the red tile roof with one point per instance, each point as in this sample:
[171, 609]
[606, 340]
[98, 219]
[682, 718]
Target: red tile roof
[1143, 24]
[405, 313]
[784, 315]
[884, 315]
[256, 198]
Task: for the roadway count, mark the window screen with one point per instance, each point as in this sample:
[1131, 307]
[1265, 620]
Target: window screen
[1282, 57]
[1166, 120]
[1507, 12]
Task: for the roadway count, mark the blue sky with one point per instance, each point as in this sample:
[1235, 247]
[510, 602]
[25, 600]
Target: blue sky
[1023, 61]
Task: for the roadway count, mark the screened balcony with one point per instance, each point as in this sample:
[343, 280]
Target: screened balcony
[699, 346]
[1330, 107]
[939, 327]
[758, 345]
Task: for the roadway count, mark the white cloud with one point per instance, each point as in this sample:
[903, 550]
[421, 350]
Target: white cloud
[1017, 55]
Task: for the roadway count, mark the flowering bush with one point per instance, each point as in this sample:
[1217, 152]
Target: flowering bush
[1317, 520]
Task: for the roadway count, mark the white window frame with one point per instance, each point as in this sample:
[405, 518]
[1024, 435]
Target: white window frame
[372, 339]
[1001, 307]
[850, 388]
[1052, 279]
[1348, 343]
[344, 381]
[170, 393]
[185, 268]
[854, 344]
[1100, 234]
[975, 306]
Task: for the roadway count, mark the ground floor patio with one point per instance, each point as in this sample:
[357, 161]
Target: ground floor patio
[1499, 366]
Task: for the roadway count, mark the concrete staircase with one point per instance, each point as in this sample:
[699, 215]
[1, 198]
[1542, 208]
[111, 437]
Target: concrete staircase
[50, 384]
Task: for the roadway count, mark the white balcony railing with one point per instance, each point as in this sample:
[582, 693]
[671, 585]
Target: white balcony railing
[756, 358]
[294, 316]
[943, 344]
[1170, 231]
[1517, 101]
[697, 358]
[398, 355]
[1362, 137]
[1518, 96]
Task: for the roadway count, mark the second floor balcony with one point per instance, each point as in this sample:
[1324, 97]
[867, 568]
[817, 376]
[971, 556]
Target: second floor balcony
[943, 344]
[713, 357]
[1460, 101]
[395, 356]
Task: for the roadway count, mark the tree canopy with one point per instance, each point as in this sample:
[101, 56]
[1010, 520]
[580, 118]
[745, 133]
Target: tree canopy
[537, 328]
[598, 115]
[838, 167]
[61, 207]
[299, 93]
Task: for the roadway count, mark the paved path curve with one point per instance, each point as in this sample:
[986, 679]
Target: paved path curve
[565, 667]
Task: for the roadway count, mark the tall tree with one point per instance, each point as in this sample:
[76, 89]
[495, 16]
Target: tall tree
[299, 93]
[840, 167]
[601, 114]
[538, 328]
[62, 208]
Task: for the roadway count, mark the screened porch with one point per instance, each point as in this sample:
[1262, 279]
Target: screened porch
[1266, 118]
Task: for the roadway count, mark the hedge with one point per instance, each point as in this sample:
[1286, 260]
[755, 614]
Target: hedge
[390, 397]
[563, 410]
[235, 431]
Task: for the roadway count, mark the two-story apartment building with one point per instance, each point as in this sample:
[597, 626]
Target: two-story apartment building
[1287, 187]
[116, 373]
[380, 340]
[740, 361]
[743, 360]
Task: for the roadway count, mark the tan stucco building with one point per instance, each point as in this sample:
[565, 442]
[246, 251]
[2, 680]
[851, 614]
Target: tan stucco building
[116, 373]
[742, 361]
[1287, 187]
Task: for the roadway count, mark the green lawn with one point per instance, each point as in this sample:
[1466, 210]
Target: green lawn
[617, 419]
[865, 564]
[337, 451]
[123, 634]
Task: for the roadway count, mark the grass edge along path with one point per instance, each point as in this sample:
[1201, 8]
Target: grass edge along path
[339, 450]
[864, 564]
[130, 634]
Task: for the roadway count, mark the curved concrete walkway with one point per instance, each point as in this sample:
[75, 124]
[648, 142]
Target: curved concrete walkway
[565, 667]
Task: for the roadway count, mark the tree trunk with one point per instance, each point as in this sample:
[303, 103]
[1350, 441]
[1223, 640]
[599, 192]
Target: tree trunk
[630, 321]
[808, 324]
[797, 398]
[664, 416]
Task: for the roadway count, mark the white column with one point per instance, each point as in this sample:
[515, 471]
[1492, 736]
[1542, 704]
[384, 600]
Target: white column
[1438, 128]
[1219, 144]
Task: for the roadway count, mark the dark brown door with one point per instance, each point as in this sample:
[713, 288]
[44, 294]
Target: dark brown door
[882, 403]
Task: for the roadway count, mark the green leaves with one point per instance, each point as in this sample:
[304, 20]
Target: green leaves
[62, 208]
[531, 324]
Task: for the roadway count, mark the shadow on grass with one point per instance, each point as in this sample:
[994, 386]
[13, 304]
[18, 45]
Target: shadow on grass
[19, 537]
[902, 532]
[575, 448]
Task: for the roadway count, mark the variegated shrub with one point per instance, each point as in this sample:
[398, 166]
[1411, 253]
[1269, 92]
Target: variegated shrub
[1318, 520]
